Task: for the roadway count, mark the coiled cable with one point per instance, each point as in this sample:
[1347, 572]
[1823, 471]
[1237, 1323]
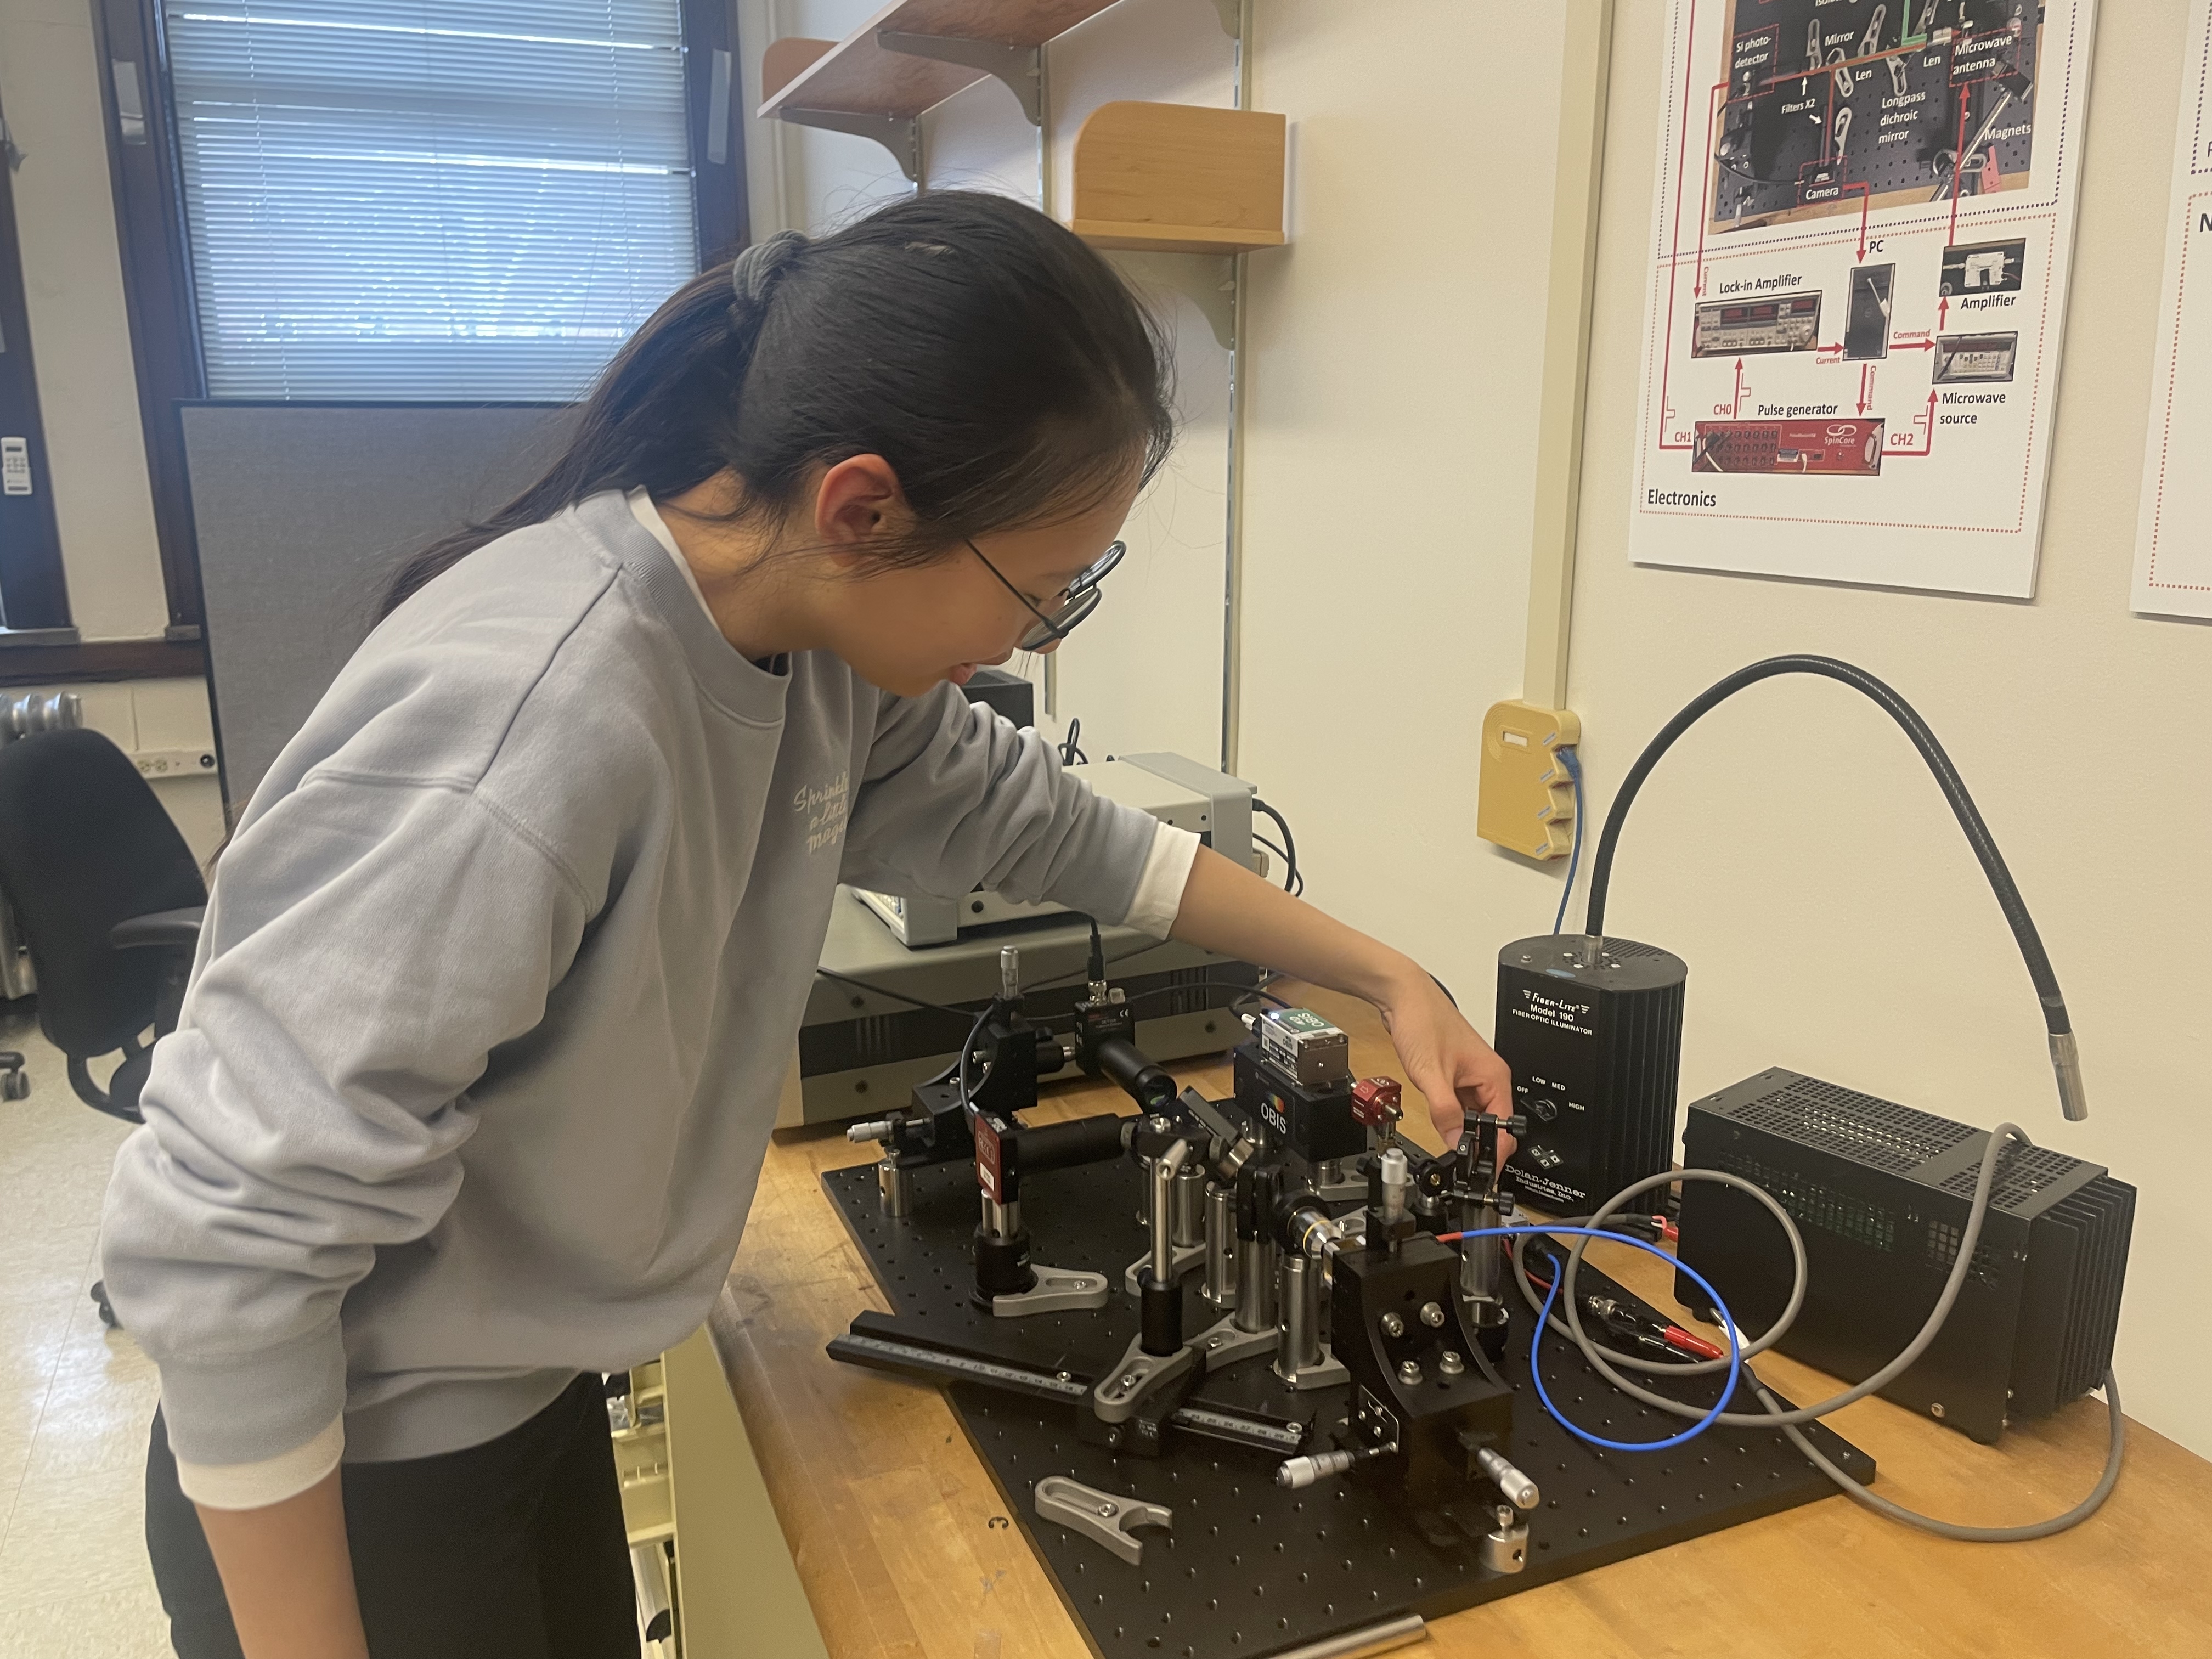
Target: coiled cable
[1790, 1420]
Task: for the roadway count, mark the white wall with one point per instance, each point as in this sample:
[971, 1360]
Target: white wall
[1793, 849]
[1145, 673]
[1398, 343]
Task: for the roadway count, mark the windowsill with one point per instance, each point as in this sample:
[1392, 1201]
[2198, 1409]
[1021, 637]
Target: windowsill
[39, 656]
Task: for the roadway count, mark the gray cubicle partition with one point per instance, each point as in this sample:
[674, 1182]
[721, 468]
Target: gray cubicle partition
[302, 512]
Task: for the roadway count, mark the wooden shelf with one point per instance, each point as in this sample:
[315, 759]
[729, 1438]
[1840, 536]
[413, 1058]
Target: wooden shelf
[1162, 178]
[1177, 177]
[857, 76]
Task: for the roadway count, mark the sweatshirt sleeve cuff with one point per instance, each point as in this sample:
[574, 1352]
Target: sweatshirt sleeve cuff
[1159, 889]
[271, 1481]
[246, 1408]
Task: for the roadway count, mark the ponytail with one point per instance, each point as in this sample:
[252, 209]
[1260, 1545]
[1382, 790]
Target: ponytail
[992, 358]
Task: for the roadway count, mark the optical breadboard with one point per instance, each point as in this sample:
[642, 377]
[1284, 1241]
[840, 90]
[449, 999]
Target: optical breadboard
[1248, 1567]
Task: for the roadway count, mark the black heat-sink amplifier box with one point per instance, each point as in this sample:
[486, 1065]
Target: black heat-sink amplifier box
[1881, 1193]
[1595, 1052]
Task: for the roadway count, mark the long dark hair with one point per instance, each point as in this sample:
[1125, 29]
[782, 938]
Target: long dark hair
[990, 355]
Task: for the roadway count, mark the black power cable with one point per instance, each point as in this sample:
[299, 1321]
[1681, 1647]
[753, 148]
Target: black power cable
[1237, 994]
[1293, 883]
[2064, 1059]
[896, 996]
[1053, 981]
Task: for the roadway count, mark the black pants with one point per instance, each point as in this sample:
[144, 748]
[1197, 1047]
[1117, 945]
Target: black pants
[510, 1549]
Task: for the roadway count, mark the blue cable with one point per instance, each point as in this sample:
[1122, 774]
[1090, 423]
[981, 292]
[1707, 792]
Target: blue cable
[1575, 858]
[1544, 1318]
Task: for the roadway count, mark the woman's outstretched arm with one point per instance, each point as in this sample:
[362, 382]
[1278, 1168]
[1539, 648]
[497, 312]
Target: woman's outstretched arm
[1227, 908]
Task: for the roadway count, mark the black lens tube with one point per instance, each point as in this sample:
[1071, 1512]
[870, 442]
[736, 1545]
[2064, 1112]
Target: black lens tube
[1137, 1078]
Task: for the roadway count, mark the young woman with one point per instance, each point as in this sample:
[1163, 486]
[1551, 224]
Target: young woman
[504, 961]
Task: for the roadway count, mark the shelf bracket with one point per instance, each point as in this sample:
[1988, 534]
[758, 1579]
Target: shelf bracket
[901, 135]
[1217, 301]
[1022, 68]
[1208, 281]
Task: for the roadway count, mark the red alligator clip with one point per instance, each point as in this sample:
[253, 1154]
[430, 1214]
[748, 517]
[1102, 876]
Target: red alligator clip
[1677, 1337]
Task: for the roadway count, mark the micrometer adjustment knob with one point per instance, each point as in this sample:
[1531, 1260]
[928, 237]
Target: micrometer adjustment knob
[1518, 1488]
[1297, 1473]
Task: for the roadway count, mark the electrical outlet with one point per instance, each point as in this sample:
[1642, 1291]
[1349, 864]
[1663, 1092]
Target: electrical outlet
[1527, 799]
[159, 763]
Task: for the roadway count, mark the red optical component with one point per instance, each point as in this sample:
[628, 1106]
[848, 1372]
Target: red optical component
[1374, 1101]
[988, 1159]
[1678, 1337]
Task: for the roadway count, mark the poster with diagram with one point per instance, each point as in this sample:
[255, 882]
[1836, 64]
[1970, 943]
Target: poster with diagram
[2174, 534]
[1864, 219]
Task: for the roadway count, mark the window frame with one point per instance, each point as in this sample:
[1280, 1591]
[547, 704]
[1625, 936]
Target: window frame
[147, 181]
[34, 610]
[157, 279]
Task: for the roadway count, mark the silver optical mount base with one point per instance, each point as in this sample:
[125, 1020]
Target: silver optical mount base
[1326, 1372]
[1100, 1516]
[1115, 1395]
[1057, 1290]
[1226, 1342]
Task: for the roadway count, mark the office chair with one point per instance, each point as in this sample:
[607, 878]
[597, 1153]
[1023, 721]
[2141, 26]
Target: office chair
[108, 900]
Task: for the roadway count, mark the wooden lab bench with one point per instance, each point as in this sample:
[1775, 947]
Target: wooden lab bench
[905, 1548]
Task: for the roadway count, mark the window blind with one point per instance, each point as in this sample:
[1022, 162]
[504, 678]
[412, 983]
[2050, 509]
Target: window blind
[429, 199]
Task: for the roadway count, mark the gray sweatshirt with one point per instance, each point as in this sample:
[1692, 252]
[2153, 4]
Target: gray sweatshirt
[498, 986]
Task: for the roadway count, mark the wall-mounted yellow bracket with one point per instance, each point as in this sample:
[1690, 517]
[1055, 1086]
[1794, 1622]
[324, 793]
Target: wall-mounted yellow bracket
[1527, 801]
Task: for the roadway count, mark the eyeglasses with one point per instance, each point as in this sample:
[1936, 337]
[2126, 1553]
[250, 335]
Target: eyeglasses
[1078, 600]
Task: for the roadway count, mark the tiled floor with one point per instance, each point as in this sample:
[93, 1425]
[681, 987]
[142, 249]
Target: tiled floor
[74, 1398]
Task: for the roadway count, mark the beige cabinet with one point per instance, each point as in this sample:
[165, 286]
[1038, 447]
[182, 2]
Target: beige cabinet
[705, 1543]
